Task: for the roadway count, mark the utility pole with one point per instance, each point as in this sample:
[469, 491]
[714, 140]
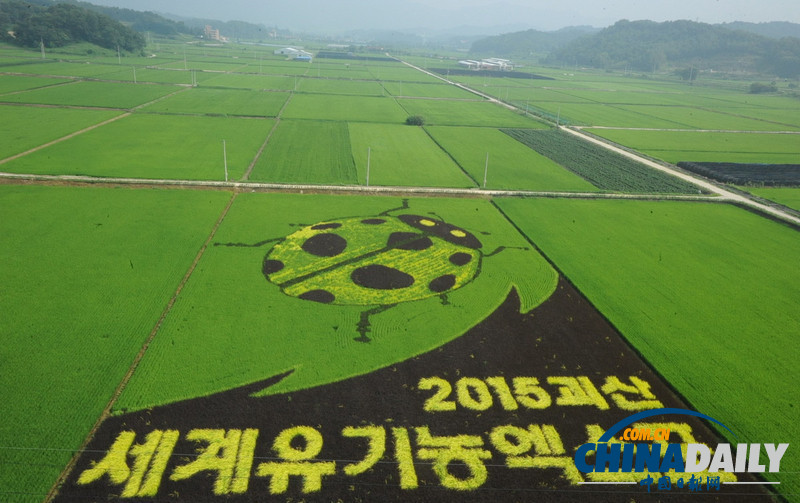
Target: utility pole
[41, 43]
[486, 170]
[369, 154]
[225, 159]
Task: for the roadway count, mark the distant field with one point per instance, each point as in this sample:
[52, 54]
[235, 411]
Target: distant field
[221, 102]
[302, 151]
[194, 64]
[512, 165]
[605, 169]
[428, 90]
[12, 83]
[400, 73]
[94, 94]
[84, 275]
[787, 196]
[154, 146]
[403, 155]
[338, 86]
[675, 146]
[250, 81]
[721, 118]
[22, 126]
[344, 108]
[157, 76]
[469, 113]
[703, 306]
[61, 69]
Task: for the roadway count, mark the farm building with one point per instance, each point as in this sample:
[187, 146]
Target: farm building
[294, 53]
[488, 64]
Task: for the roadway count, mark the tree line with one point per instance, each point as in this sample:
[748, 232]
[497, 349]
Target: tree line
[29, 25]
[648, 46]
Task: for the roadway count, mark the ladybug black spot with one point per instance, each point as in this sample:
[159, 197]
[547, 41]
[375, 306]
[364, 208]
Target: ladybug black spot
[271, 266]
[381, 277]
[406, 241]
[321, 296]
[373, 221]
[325, 245]
[442, 283]
[320, 227]
[460, 258]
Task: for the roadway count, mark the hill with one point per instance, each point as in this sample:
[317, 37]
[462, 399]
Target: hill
[648, 46]
[775, 29]
[29, 25]
[523, 43]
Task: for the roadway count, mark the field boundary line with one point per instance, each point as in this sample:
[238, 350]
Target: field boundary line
[20, 91]
[733, 131]
[252, 164]
[137, 107]
[121, 386]
[63, 138]
[391, 190]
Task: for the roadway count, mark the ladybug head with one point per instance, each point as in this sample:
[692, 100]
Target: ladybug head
[448, 232]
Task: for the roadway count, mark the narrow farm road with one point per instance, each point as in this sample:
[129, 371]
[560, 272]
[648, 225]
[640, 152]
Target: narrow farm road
[721, 192]
[704, 184]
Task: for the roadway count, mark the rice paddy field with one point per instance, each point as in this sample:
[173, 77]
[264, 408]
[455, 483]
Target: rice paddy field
[317, 339]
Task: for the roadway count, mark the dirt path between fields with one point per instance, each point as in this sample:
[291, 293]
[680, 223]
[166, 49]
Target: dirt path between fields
[704, 184]
[63, 138]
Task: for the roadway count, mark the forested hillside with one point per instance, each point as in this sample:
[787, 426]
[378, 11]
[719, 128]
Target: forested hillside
[523, 43]
[649, 46]
[57, 25]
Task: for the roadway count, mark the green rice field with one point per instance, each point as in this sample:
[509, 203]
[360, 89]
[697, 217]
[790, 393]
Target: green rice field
[651, 267]
[344, 108]
[151, 146]
[301, 151]
[788, 196]
[221, 102]
[22, 125]
[86, 279]
[402, 155]
[93, 94]
[676, 146]
[465, 113]
[511, 164]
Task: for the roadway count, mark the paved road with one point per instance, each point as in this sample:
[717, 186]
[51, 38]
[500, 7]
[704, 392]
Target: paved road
[721, 192]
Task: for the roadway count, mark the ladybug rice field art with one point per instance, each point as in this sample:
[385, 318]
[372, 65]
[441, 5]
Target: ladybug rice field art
[368, 261]
[333, 290]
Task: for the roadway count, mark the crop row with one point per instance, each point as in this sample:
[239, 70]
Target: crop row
[605, 169]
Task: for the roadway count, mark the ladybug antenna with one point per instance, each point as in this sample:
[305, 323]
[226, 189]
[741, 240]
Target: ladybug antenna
[501, 248]
[437, 216]
[403, 207]
[248, 245]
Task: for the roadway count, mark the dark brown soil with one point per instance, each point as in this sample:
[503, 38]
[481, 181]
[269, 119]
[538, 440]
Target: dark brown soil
[565, 336]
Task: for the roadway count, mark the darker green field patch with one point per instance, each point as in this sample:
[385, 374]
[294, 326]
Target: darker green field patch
[605, 169]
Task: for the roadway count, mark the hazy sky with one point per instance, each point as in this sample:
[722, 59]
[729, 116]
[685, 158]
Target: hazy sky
[337, 15]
